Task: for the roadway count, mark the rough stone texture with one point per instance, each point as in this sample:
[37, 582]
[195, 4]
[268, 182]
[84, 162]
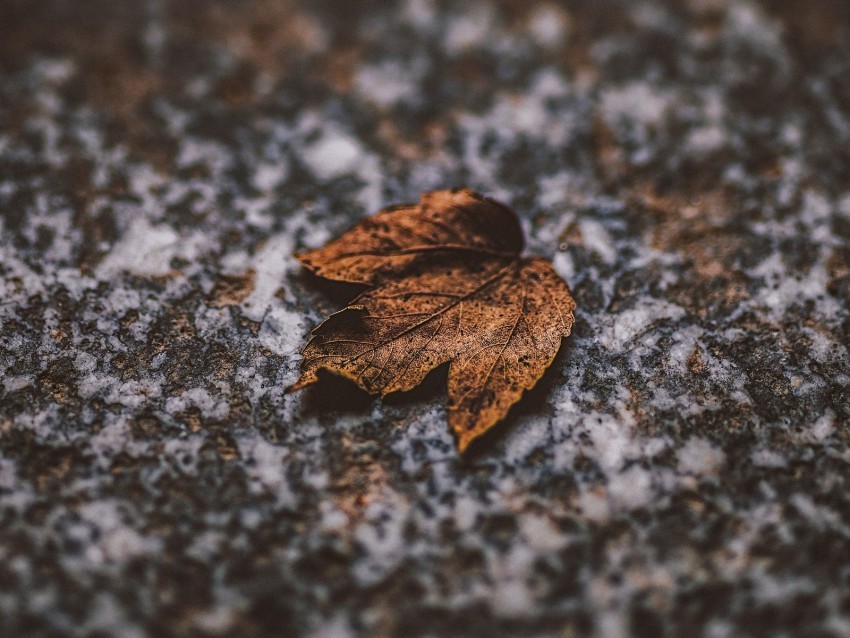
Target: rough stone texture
[682, 470]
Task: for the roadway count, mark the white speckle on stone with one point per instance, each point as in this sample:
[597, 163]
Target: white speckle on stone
[337, 627]
[465, 513]
[821, 429]
[381, 536]
[594, 504]
[489, 135]
[631, 488]
[154, 36]
[698, 456]
[56, 71]
[107, 616]
[612, 624]
[816, 208]
[144, 182]
[388, 83]
[821, 516]
[334, 154]
[610, 437]
[511, 598]
[718, 628]
[266, 465]
[144, 249]
[419, 13]
[183, 455]
[116, 541]
[684, 343]
[333, 518]
[531, 434]
[548, 25]
[637, 103]
[558, 191]
[844, 205]
[629, 324]
[283, 331]
[824, 349]
[267, 177]
[133, 393]
[14, 383]
[777, 590]
[217, 621]
[125, 542]
[597, 239]
[85, 362]
[9, 475]
[745, 21]
[564, 265]
[200, 398]
[706, 140]
[94, 383]
[767, 458]
[199, 152]
[206, 544]
[785, 288]
[469, 29]
[270, 263]
[541, 534]
[121, 300]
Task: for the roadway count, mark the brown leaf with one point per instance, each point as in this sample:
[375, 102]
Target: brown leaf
[443, 223]
[448, 286]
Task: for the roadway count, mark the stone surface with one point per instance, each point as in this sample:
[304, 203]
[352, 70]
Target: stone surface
[682, 469]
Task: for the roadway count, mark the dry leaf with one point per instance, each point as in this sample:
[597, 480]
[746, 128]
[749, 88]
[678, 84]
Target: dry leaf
[448, 285]
[443, 223]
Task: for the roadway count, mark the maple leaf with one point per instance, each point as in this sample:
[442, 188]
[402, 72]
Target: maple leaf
[447, 285]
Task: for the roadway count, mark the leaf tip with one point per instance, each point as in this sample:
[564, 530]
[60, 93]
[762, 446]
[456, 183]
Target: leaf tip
[304, 258]
[463, 443]
[468, 428]
[308, 378]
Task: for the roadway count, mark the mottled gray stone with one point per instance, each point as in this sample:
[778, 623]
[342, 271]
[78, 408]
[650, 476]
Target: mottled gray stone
[681, 470]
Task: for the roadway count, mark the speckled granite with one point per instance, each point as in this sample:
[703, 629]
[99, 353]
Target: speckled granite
[683, 469]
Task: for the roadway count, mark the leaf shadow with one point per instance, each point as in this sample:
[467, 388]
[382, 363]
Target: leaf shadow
[338, 395]
[341, 395]
[335, 394]
[432, 386]
[340, 293]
